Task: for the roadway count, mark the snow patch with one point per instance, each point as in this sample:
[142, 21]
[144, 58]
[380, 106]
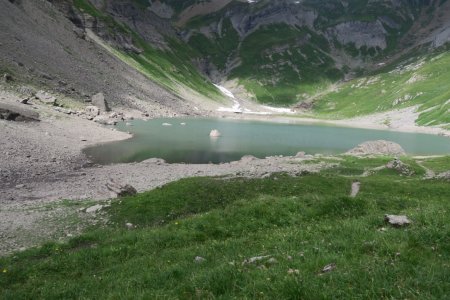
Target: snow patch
[236, 108]
[225, 91]
[279, 109]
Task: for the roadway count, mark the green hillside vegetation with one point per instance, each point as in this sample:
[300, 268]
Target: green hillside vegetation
[301, 224]
[279, 63]
[419, 81]
[219, 49]
[170, 68]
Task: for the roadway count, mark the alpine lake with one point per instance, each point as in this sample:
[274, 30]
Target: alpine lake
[187, 140]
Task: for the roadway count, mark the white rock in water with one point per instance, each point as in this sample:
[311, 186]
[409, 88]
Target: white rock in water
[215, 133]
[166, 124]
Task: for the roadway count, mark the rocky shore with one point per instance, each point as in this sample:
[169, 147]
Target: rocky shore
[42, 165]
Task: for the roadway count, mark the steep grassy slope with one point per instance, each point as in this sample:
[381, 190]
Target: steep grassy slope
[302, 224]
[170, 68]
[421, 80]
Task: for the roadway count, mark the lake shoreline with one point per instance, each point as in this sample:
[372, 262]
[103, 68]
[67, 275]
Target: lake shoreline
[42, 163]
[405, 121]
[186, 140]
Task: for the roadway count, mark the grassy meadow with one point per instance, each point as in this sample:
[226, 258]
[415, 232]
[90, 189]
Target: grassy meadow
[217, 238]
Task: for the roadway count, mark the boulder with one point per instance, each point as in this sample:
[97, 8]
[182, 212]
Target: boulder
[215, 133]
[444, 175]
[400, 167]
[397, 221]
[105, 120]
[356, 185]
[92, 110]
[24, 100]
[379, 147]
[300, 154]
[328, 268]
[100, 101]
[255, 259]
[199, 259]
[45, 98]
[94, 209]
[119, 189]
[156, 161]
[7, 78]
[22, 113]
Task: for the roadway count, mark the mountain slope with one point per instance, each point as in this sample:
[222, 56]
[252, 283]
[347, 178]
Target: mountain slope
[285, 51]
[74, 49]
[308, 55]
[421, 81]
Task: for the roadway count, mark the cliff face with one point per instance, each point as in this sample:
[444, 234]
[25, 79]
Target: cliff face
[280, 51]
[271, 47]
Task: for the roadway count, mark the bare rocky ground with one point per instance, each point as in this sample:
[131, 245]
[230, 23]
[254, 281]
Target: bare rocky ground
[45, 179]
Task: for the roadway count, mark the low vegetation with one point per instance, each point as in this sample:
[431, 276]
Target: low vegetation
[256, 238]
[415, 81]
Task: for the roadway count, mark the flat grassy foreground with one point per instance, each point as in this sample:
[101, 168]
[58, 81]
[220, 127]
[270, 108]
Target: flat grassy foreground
[301, 224]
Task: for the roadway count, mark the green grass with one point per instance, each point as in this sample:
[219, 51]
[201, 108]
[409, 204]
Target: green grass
[281, 63]
[438, 164]
[219, 49]
[304, 223]
[422, 81]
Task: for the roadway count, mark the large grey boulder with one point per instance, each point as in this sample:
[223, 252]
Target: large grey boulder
[13, 112]
[100, 101]
[379, 147]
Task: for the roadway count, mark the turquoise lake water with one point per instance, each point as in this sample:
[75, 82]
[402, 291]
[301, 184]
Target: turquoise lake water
[190, 143]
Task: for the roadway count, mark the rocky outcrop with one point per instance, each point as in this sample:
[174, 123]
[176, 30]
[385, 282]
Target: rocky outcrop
[119, 189]
[400, 167]
[379, 147]
[369, 34]
[246, 22]
[160, 9]
[99, 101]
[11, 112]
